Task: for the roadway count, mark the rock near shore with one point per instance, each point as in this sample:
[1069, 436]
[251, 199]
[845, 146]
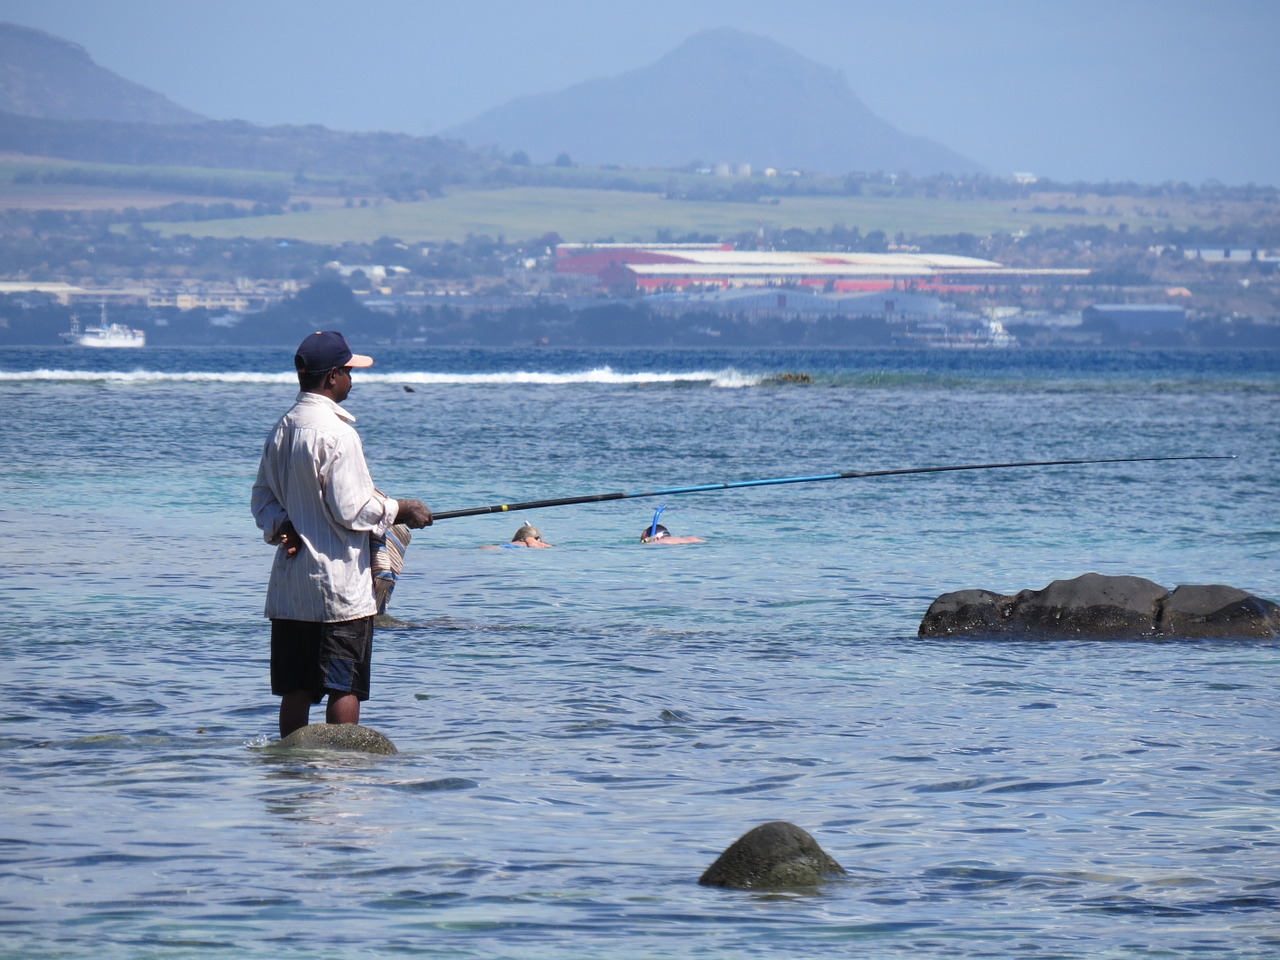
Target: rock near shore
[772, 856]
[1094, 606]
[337, 736]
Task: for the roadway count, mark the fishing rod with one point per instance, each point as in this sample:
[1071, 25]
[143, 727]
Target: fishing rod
[849, 475]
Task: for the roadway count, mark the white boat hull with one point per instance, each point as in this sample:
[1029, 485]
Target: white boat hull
[105, 334]
[89, 339]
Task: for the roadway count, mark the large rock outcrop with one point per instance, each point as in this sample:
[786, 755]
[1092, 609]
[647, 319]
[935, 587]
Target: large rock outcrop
[1104, 608]
[772, 856]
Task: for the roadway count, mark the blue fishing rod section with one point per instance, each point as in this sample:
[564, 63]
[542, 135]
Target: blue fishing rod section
[817, 478]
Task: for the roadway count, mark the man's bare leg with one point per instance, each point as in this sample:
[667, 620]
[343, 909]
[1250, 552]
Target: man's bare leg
[295, 711]
[343, 708]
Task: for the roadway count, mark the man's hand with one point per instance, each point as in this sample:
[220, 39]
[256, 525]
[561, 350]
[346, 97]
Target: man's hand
[288, 538]
[414, 514]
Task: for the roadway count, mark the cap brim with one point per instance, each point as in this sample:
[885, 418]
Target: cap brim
[359, 360]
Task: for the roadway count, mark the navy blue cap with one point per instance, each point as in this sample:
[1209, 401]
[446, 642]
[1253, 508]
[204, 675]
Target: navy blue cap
[324, 350]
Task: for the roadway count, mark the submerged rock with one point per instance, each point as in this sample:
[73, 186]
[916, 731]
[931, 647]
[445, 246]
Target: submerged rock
[1104, 607]
[337, 736]
[792, 377]
[772, 856]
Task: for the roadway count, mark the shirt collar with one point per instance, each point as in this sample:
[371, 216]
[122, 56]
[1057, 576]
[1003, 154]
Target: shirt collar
[323, 401]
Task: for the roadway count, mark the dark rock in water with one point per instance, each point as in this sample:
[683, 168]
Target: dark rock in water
[791, 377]
[338, 736]
[773, 856]
[1098, 606]
[1218, 611]
[966, 612]
[1092, 604]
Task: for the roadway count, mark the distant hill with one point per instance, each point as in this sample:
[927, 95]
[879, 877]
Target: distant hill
[56, 102]
[44, 76]
[236, 144]
[723, 96]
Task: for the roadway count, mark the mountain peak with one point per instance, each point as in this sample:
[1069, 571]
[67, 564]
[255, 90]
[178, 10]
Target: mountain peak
[735, 47]
[753, 63]
[45, 76]
[721, 95]
[716, 40]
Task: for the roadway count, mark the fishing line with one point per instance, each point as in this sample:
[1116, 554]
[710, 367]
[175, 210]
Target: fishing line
[775, 481]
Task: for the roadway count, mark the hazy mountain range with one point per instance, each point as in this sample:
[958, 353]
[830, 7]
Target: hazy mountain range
[722, 96]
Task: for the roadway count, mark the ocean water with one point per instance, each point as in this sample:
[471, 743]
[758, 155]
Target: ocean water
[584, 729]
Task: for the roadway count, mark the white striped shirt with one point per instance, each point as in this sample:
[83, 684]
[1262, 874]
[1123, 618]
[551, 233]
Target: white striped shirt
[313, 473]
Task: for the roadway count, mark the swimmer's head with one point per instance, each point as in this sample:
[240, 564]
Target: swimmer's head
[654, 532]
[527, 532]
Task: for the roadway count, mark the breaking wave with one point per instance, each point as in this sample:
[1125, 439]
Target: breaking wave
[727, 378]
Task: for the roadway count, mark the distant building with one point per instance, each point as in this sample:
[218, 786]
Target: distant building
[64, 293]
[650, 268]
[1137, 317]
[211, 300]
[888, 317]
[802, 303]
[1231, 255]
[595, 258]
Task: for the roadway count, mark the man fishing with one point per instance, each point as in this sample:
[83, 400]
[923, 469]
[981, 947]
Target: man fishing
[314, 499]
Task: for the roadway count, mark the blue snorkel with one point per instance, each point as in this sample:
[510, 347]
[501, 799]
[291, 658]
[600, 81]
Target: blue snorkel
[653, 527]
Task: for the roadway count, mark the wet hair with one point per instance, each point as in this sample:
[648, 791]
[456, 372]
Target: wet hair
[525, 532]
[653, 532]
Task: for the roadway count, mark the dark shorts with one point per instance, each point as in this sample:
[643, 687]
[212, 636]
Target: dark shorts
[319, 657]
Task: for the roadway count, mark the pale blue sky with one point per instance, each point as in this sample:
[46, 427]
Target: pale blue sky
[1149, 90]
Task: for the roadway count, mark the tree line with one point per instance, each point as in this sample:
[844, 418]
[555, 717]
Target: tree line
[401, 165]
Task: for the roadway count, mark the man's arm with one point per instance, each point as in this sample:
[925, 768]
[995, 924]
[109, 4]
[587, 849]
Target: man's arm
[268, 511]
[353, 500]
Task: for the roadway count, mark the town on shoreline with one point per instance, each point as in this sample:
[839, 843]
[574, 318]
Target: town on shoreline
[1099, 265]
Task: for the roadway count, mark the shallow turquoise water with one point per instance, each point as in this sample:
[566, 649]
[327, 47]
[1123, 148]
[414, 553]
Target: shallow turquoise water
[584, 729]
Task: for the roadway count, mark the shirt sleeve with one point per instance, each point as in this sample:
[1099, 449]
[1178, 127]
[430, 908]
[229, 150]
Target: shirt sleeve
[268, 512]
[349, 492]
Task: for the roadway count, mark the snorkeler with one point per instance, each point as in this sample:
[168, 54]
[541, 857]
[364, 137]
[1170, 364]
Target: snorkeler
[657, 533]
[526, 536]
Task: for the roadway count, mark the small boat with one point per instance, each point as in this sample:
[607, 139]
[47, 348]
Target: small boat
[104, 334]
[992, 335]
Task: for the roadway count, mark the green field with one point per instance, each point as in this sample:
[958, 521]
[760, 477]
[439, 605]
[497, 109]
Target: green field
[522, 213]
[43, 183]
[11, 166]
[577, 204]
